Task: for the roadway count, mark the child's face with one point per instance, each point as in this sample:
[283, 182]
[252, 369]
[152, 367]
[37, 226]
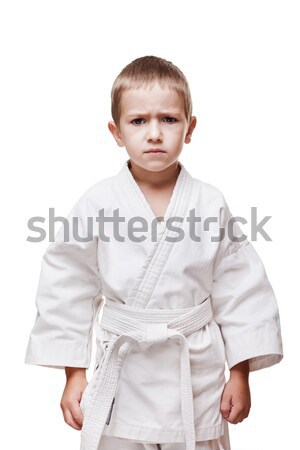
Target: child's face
[152, 119]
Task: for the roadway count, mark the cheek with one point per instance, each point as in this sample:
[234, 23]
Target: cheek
[133, 141]
[128, 136]
[133, 133]
[133, 138]
[177, 135]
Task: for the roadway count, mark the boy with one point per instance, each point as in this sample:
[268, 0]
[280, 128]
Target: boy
[184, 291]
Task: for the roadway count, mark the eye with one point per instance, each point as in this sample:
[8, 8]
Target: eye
[170, 119]
[136, 121]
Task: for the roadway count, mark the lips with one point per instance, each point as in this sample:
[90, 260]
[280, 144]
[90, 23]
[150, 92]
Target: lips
[154, 150]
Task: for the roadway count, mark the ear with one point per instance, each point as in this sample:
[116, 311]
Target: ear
[116, 133]
[190, 130]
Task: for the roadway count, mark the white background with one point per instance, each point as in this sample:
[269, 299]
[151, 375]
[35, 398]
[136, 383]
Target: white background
[58, 62]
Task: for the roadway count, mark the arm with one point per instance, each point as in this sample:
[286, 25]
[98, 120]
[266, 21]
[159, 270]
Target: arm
[68, 296]
[68, 300]
[246, 311]
[244, 303]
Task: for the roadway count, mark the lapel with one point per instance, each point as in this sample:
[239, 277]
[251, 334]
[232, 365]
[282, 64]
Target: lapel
[141, 290]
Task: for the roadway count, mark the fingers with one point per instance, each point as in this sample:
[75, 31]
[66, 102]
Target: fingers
[226, 403]
[238, 413]
[72, 414]
[76, 413]
[236, 399]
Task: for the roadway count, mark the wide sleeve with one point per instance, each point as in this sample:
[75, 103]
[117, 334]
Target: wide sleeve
[68, 296]
[244, 304]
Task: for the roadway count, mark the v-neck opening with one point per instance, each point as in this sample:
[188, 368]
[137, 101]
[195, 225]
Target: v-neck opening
[144, 201]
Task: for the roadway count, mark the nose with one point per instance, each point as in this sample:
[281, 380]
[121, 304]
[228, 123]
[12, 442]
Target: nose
[154, 132]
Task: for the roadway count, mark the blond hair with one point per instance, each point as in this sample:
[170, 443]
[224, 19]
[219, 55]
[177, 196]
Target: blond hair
[145, 71]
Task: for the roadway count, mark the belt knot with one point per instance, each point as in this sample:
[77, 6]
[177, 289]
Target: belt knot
[154, 333]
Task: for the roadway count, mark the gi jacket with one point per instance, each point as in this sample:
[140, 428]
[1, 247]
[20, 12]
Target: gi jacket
[128, 265]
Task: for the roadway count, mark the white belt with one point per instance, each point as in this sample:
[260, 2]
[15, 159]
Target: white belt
[146, 327]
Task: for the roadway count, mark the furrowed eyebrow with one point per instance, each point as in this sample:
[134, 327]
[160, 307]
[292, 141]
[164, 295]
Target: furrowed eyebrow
[145, 114]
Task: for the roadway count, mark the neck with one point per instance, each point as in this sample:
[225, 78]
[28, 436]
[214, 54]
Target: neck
[157, 178]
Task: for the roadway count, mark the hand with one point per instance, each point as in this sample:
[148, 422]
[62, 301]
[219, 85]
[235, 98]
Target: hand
[236, 399]
[70, 401]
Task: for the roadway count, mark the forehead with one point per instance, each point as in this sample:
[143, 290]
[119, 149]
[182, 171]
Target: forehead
[151, 99]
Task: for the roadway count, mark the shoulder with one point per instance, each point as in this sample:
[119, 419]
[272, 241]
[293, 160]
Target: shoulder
[101, 187]
[94, 197]
[208, 193]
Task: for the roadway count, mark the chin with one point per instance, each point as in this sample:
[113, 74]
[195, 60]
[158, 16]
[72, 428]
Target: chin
[149, 165]
[157, 166]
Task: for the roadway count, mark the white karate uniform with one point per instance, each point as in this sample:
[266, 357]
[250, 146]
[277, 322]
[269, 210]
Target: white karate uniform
[172, 313]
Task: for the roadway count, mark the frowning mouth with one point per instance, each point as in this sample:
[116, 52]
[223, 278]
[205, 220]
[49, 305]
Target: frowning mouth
[155, 150]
